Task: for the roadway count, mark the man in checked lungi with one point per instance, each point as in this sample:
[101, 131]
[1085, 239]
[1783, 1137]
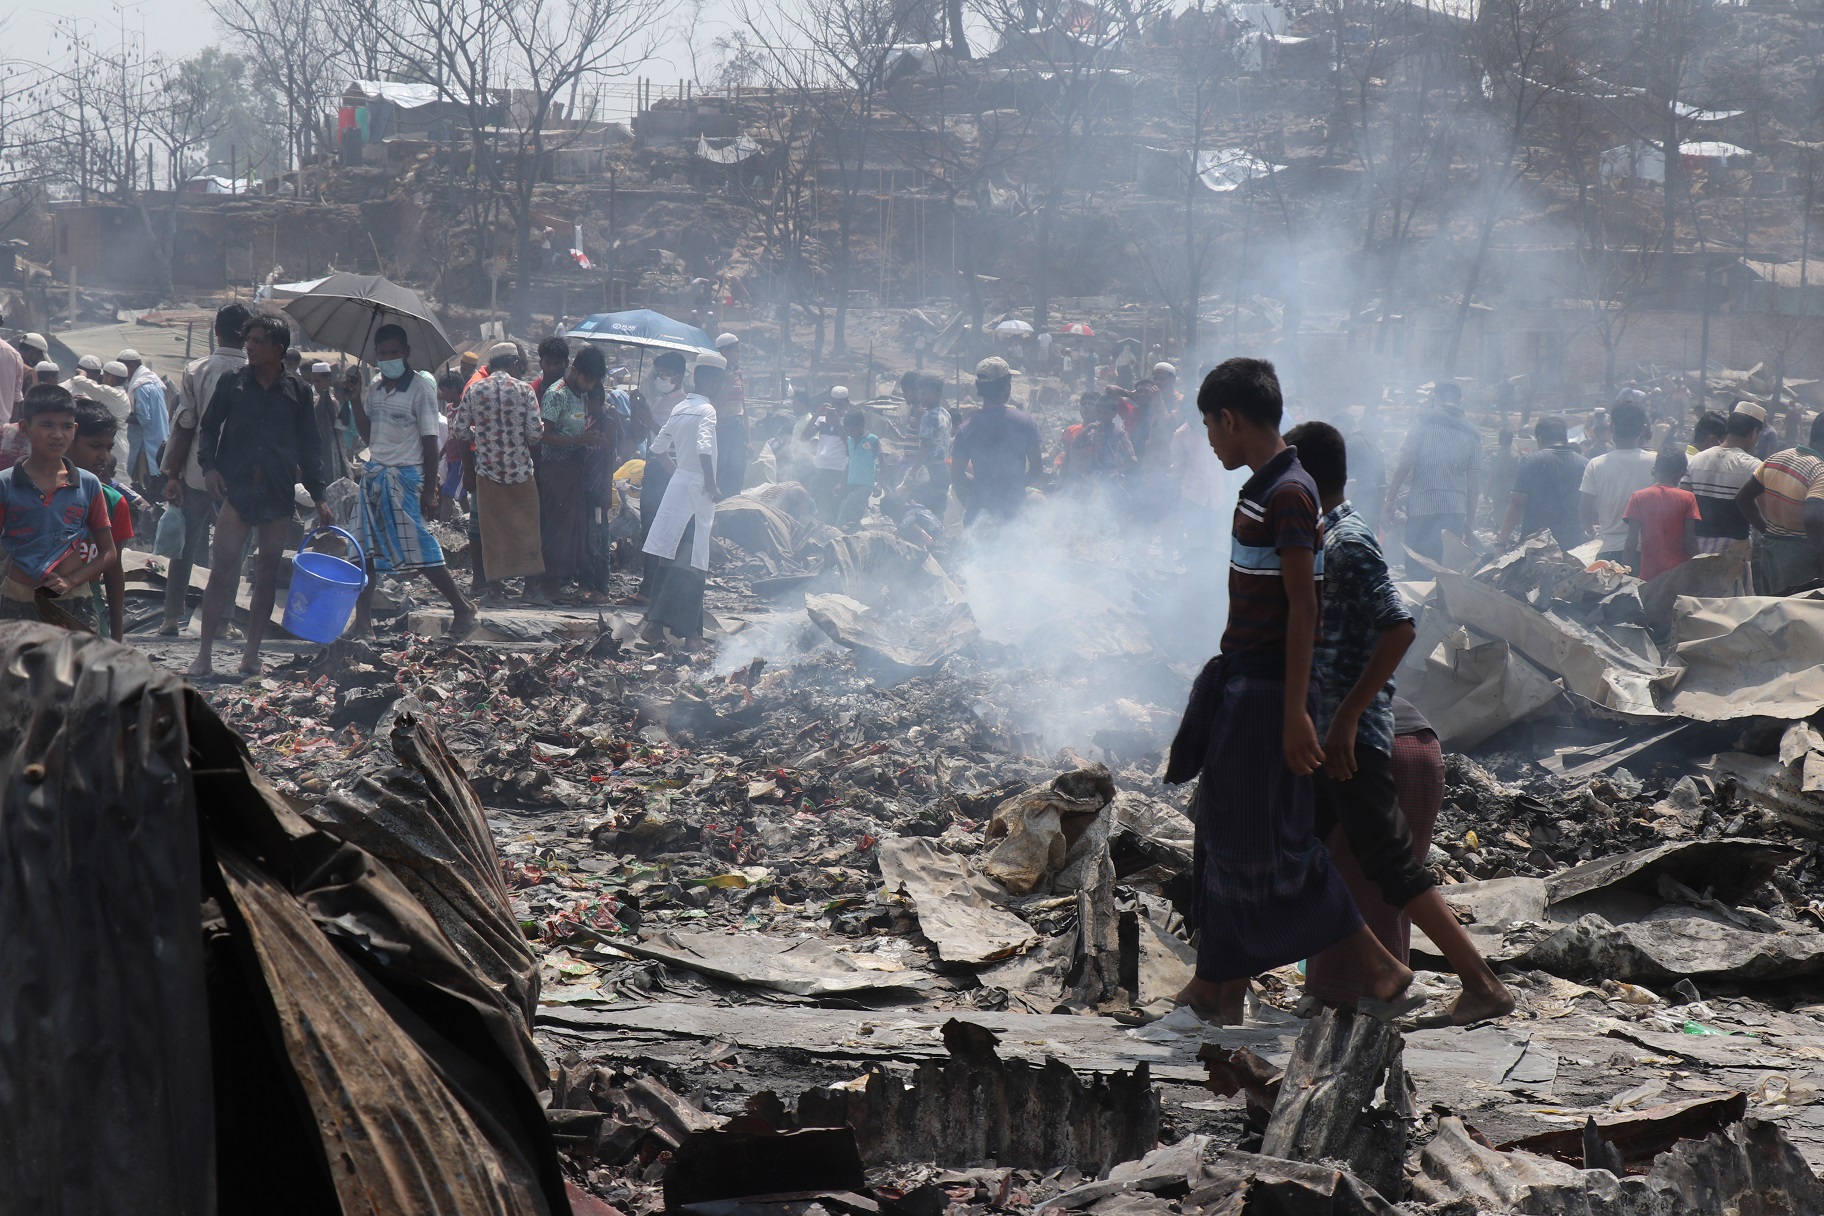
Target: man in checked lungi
[399, 479]
[1264, 890]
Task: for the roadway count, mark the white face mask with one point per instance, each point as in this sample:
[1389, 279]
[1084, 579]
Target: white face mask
[664, 384]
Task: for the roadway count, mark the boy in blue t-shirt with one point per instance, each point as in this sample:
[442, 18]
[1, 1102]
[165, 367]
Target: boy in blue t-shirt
[864, 468]
[48, 508]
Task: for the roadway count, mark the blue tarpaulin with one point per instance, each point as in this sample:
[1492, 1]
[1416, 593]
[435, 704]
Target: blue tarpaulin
[643, 327]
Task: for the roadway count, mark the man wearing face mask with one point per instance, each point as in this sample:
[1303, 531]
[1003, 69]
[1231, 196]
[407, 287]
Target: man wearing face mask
[399, 478]
[667, 392]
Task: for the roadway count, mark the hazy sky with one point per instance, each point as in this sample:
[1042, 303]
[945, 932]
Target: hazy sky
[179, 27]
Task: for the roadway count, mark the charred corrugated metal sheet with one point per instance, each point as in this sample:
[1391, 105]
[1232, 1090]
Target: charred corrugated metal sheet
[208, 1003]
[395, 1137]
[104, 1027]
[424, 820]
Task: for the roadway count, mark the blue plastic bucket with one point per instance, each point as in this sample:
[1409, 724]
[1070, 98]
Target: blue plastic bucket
[323, 590]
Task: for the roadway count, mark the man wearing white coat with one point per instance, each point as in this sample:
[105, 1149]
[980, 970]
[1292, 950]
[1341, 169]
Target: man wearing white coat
[686, 447]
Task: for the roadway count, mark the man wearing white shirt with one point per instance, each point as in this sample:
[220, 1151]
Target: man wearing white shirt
[88, 383]
[829, 454]
[1610, 479]
[686, 447]
[150, 424]
[666, 390]
[13, 379]
[399, 484]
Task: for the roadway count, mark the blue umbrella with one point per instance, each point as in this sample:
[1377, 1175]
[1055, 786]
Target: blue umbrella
[643, 327]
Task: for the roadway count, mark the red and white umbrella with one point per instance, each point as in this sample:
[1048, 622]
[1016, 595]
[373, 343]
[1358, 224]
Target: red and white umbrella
[1079, 329]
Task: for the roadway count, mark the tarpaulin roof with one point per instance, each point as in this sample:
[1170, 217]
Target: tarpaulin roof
[733, 154]
[405, 96]
[213, 184]
[1786, 274]
[1711, 149]
[1231, 168]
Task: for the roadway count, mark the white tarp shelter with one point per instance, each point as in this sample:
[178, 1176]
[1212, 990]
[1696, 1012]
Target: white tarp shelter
[733, 154]
[1231, 168]
[1645, 161]
[208, 183]
[405, 96]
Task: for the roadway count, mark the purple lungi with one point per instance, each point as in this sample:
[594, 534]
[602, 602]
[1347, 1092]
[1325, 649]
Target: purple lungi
[1265, 892]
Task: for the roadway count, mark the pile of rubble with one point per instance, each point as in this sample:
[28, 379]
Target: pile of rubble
[830, 911]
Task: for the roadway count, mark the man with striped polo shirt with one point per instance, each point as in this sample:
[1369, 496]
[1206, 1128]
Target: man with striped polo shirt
[1784, 501]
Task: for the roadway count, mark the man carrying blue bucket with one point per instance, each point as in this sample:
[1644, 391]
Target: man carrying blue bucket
[398, 421]
[258, 439]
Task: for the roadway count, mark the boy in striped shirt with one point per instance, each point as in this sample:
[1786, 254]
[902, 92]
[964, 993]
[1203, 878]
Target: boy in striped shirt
[1264, 891]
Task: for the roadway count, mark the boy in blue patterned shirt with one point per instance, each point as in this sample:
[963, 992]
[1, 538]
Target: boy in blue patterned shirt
[1366, 629]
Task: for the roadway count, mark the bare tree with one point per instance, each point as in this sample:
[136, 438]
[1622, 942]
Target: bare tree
[97, 121]
[833, 56]
[290, 43]
[1070, 81]
[959, 151]
[1205, 65]
[183, 118]
[1387, 120]
[357, 33]
[26, 138]
[781, 200]
[508, 63]
[1608, 275]
[1662, 44]
[1520, 54]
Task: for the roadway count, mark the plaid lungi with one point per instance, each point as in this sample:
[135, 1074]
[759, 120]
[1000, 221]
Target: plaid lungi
[1265, 892]
[1418, 775]
[392, 518]
[1782, 563]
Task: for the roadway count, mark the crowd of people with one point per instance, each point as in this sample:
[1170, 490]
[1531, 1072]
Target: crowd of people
[1324, 782]
[250, 433]
[1652, 488]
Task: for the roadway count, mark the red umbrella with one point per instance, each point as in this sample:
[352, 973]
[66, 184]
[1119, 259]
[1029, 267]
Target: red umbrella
[1079, 329]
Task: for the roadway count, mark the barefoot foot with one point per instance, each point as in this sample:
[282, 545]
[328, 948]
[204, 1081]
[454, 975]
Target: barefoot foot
[1473, 1007]
[1224, 1004]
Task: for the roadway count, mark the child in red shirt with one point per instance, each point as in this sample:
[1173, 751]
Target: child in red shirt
[1662, 520]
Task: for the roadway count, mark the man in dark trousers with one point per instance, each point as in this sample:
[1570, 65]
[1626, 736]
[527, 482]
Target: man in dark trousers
[258, 439]
[1264, 892]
